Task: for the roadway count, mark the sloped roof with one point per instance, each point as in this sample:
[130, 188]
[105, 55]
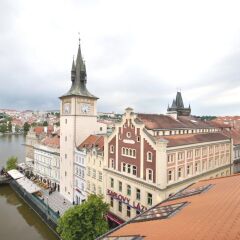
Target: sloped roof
[160, 121]
[93, 141]
[50, 141]
[210, 215]
[186, 139]
[234, 134]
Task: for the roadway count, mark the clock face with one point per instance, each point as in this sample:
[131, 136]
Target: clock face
[85, 108]
[66, 108]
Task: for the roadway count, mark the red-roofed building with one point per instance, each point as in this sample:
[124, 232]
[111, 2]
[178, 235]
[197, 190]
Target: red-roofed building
[149, 157]
[205, 210]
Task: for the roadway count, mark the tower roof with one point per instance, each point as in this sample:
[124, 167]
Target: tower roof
[79, 78]
[179, 100]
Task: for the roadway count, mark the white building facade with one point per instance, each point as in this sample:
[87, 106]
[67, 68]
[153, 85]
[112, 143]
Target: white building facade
[79, 177]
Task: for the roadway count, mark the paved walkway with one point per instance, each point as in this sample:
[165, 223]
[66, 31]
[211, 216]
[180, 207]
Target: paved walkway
[56, 201]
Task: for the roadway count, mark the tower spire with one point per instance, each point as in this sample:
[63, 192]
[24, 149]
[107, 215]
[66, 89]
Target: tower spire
[79, 77]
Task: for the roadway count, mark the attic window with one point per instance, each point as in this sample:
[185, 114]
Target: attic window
[190, 192]
[160, 212]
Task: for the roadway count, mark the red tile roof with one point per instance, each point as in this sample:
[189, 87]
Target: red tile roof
[93, 141]
[211, 215]
[160, 121]
[53, 142]
[178, 140]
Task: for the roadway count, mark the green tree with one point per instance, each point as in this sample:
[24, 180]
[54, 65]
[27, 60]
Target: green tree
[10, 126]
[45, 123]
[85, 221]
[26, 127]
[11, 163]
[3, 128]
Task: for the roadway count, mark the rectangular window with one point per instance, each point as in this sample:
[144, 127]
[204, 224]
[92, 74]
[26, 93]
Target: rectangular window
[149, 199]
[138, 194]
[100, 176]
[170, 175]
[112, 163]
[129, 168]
[124, 167]
[128, 190]
[128, 211]
[112, 183]
[94, 173]
[120, 206]
[189, 154]
[134, 170]
[180, 174]
[111, 201]
[120, 186]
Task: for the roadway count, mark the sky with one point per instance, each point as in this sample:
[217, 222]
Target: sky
[138, 53]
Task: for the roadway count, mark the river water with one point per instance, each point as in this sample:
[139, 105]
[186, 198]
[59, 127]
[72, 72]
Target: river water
[17, 220]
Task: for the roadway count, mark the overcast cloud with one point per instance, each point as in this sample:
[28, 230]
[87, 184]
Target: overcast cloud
[138, 53]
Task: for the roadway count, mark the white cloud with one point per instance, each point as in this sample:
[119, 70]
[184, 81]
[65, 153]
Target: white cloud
[137, 52]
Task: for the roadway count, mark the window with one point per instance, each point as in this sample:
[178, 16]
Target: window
[191, 191]
[211, 150]
[65, 156]
[123, 151]
[170, 175]
[88, 185]
[65, 173]
[189, 154]
[112, 183]
[150, 174]
[188, 169]
[99, 190]
[100, 176]
[111, 149]
[138, 194]
[197, 167]
[111, 201]
[149, 199]
[180, 172]
[197, 153]
[128, 190]
[204, 151]
[129, 168]
[124, 167]
[94, 173]
[120, 186]
[65, 121]
[160, 212]
[134, 170]
[180, 156]
[171, 158]
[65, 138]
[88, 171]
[138, 139]
[128, 134]
[149, 156]
[120, 206]
[128, 211]
[112, 163]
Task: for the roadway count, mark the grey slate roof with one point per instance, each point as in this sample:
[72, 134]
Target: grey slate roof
[79, 78]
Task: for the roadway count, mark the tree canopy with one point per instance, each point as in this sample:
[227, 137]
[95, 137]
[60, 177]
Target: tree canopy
[11, 163]
[85, 221]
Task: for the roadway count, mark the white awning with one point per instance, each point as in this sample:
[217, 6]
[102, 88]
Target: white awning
[28, 185]
[15, 174]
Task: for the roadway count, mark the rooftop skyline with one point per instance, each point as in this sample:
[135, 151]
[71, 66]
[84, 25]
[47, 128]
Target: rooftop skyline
[137, 53]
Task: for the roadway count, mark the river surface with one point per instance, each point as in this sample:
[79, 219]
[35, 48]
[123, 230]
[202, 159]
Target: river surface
[17, 220]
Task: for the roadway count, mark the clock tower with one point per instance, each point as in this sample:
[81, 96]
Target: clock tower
[78, 119]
